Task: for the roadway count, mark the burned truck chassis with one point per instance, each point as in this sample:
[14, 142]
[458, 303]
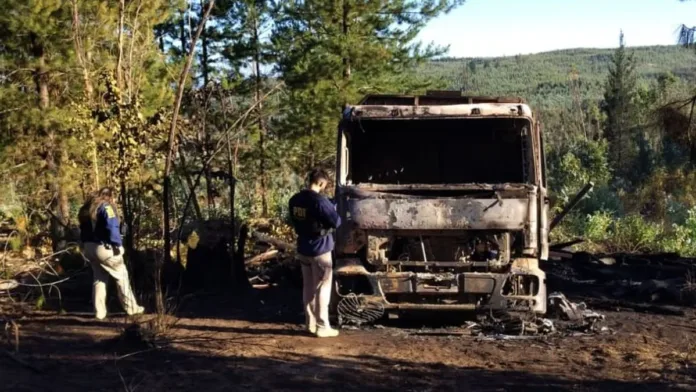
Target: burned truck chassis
[451, 244]
[488, 266]
[519, 286]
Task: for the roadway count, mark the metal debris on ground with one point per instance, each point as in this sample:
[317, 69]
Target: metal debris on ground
[357, 310]
[512, 326]
[560, 306]
[569, 319]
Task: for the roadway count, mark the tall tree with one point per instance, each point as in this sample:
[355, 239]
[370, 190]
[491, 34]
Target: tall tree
[36, 47]
[619, 106]
[332, 52]
[251, 22]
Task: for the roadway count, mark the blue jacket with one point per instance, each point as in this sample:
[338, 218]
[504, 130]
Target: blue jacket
[313, 217]
[105, 230]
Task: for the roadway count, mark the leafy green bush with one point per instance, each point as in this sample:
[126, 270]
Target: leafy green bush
[605, 233]
[597, 226]
[634, 234]
[682, 238]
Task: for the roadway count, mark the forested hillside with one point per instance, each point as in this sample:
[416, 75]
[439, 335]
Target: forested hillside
[553, 78]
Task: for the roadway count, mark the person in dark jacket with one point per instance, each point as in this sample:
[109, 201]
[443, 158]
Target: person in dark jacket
[102, 246]
[314, 218]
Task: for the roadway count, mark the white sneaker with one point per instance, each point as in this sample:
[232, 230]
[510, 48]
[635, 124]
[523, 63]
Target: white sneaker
[138, 310]
[100, 316]
[326, 333]
[312, 328]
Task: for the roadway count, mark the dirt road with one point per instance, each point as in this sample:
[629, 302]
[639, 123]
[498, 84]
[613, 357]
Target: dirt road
[219, 345]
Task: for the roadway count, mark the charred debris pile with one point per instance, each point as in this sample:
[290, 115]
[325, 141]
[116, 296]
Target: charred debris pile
[657, 283]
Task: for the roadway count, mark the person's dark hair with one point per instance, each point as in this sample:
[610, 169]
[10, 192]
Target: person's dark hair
[317, 175]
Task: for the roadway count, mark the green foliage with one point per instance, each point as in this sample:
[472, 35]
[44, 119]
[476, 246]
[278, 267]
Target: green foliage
[620, 107]
[634, 234]
[574, 165]
[597, 227]
[544, 78]
[333, 53]
[682, 238]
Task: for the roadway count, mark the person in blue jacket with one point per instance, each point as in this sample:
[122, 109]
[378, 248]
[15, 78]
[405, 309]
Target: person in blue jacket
[102, 246]
[314, 218]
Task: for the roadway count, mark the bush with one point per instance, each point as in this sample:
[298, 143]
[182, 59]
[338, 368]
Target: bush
[597, 227]
[604, 232]
[634, 234]
[682, 238]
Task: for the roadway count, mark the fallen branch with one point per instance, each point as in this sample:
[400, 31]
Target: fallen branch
[260, 258]
[272, 241]
[614, 305]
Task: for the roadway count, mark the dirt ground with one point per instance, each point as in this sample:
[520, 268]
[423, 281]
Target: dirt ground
[222, 343]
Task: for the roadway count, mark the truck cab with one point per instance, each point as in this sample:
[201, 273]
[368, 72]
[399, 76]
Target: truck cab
[444, 203]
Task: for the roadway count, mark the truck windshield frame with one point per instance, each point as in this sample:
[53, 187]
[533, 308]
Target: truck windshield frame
[491, 150]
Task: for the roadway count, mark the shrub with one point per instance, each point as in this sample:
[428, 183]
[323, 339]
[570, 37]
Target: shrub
[682, 238]
[634, 234]
[604, 232]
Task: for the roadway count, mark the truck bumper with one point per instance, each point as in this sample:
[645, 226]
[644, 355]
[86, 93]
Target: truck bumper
[522, 288]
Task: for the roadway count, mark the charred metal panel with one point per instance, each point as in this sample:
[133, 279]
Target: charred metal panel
[478, 284]
[396, 284]
[437, 284]
[439, 214]
[376, 249]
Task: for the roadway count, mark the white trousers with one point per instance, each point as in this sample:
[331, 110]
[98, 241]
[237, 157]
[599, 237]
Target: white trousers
[317, 277]
[104, 264]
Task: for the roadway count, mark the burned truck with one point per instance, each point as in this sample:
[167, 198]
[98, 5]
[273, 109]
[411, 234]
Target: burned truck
[444, 204]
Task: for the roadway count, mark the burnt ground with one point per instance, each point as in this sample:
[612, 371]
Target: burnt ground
[254, 342]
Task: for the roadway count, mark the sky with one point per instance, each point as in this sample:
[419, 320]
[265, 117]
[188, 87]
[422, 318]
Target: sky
[492, 28]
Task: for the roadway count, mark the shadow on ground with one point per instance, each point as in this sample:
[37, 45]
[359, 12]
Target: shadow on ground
[77, 362]
[252, 342]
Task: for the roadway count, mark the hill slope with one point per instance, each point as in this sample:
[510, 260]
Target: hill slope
[545, 78]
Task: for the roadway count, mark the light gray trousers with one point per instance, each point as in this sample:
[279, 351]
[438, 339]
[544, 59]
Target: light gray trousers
[104, 264]
[317, 277]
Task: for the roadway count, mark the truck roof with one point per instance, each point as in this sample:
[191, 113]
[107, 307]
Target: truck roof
[437, 104]
[434, 98]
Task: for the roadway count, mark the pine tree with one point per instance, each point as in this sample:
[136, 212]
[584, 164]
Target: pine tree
[36, 37]
[620, 108]
[332, 52]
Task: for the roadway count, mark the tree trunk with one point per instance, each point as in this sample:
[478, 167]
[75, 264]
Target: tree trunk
[231, 165]
[131, 68]
[59, 203]
[129, 244]
[190, 184]
[119, 61]
[261, 121]
[79, 53]
[168, 163]
[239, 268]
[346, 56]
[204, 56]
